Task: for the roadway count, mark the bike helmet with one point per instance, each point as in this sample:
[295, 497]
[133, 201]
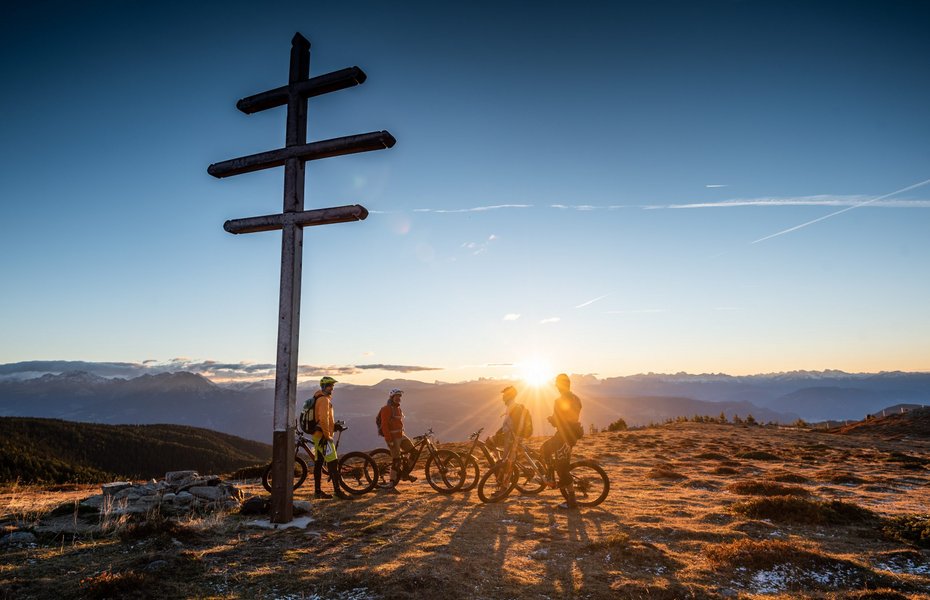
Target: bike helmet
[396, 392]
[327, 381]
[509, 393]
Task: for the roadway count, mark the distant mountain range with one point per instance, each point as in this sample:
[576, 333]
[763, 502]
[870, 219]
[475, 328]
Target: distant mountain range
[454, 410]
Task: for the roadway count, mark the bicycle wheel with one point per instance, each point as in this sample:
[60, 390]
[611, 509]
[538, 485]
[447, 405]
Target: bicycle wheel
[472, 473]
[497, 482]
[382, 458]
[589, 482]
[445, 471]
[358, 473]
[300, 474]
[530, 479]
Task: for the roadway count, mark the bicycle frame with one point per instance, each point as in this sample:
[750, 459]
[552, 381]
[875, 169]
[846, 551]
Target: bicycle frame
[491, 457]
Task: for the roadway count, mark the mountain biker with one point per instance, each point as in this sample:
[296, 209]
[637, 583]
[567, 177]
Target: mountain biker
[556, 451]
[392, 428]
[322, 438]
[515, 424]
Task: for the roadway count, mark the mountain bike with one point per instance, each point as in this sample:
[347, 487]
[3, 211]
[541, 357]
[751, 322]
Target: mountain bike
[357, 470]
[445, 470]
[527, 472]
[472, 465]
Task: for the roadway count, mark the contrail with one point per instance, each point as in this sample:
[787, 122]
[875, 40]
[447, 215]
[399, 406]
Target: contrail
[583, 304]
[833, 214]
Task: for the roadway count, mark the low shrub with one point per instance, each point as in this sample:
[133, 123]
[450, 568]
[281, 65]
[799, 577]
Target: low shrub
[766, 488]
[790, 509]
[758, 455]
[711, 456]
[725, 471]
[910, 529]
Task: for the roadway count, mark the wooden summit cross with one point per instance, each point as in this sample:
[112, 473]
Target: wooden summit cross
[291, 221]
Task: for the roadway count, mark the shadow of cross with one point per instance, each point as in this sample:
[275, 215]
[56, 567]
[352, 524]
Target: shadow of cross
[291, 221]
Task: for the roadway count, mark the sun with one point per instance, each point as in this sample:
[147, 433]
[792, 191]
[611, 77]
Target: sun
[534, 372]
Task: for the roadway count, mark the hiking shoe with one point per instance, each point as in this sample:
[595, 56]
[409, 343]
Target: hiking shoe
[551, 484]
[568, 506]
[392, 490]
[410, 478]
[321, 495]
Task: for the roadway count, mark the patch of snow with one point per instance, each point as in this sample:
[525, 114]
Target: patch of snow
[300, 522]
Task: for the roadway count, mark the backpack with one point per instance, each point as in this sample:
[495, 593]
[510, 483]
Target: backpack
[308, 416]
[522, 421]
[378, 424]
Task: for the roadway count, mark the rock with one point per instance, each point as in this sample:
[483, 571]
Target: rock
[94, 502]
[173, 477]
[169, 498]
[112, 488]
[302, 507]
[155, 566]
[184, 498]
[208, 492]
[18, 538]
[257, 505]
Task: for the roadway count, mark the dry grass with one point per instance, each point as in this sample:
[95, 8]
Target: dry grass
[671, 528]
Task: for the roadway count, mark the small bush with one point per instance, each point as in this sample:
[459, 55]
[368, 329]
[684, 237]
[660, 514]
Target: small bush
[113, 585]
[906, 459]
[789, 509]
[845, 479]
[758, 455]
[757, 555]
[725, 471]
[616, 540]
[618, 425]
[664, 472]
[910, 529]
[790, 478]
[766, 488]
[711, 456]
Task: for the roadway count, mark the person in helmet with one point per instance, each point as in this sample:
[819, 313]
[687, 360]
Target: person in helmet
[322, 438]
[392, 427]
[556, 451]
[517, 422]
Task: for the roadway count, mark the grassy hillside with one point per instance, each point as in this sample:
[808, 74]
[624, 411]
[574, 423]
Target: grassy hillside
[50, 450]
[696, 511]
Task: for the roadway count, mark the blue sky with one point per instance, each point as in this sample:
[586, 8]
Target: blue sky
[573, 188]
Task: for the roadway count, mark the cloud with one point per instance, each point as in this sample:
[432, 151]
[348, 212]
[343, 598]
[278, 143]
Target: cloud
[218, 371]
[398, 368]
[511, 316]
[587, 207]
[472, 209]
[550, 320]
[480, 247]
[589, 302]
[636, 311]
[716, 185]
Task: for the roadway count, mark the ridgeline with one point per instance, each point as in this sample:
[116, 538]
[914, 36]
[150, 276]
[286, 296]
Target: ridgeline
[55, 451]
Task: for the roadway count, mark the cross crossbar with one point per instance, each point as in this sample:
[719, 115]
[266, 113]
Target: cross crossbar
[307, 218]
[315, 86]
[350, 144]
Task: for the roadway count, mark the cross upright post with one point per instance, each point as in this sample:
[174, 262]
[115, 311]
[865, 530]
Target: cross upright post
[291, 221]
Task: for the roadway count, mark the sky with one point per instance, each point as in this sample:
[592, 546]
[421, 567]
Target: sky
[607, 188]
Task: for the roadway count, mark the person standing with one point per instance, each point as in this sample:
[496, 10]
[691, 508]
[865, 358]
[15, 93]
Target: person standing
[392, 428]
[322, 438]
[557, 450]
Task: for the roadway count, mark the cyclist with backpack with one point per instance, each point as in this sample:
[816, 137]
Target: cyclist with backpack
[390, 422]
[557, 450]
[317, 420]
[518, 423]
